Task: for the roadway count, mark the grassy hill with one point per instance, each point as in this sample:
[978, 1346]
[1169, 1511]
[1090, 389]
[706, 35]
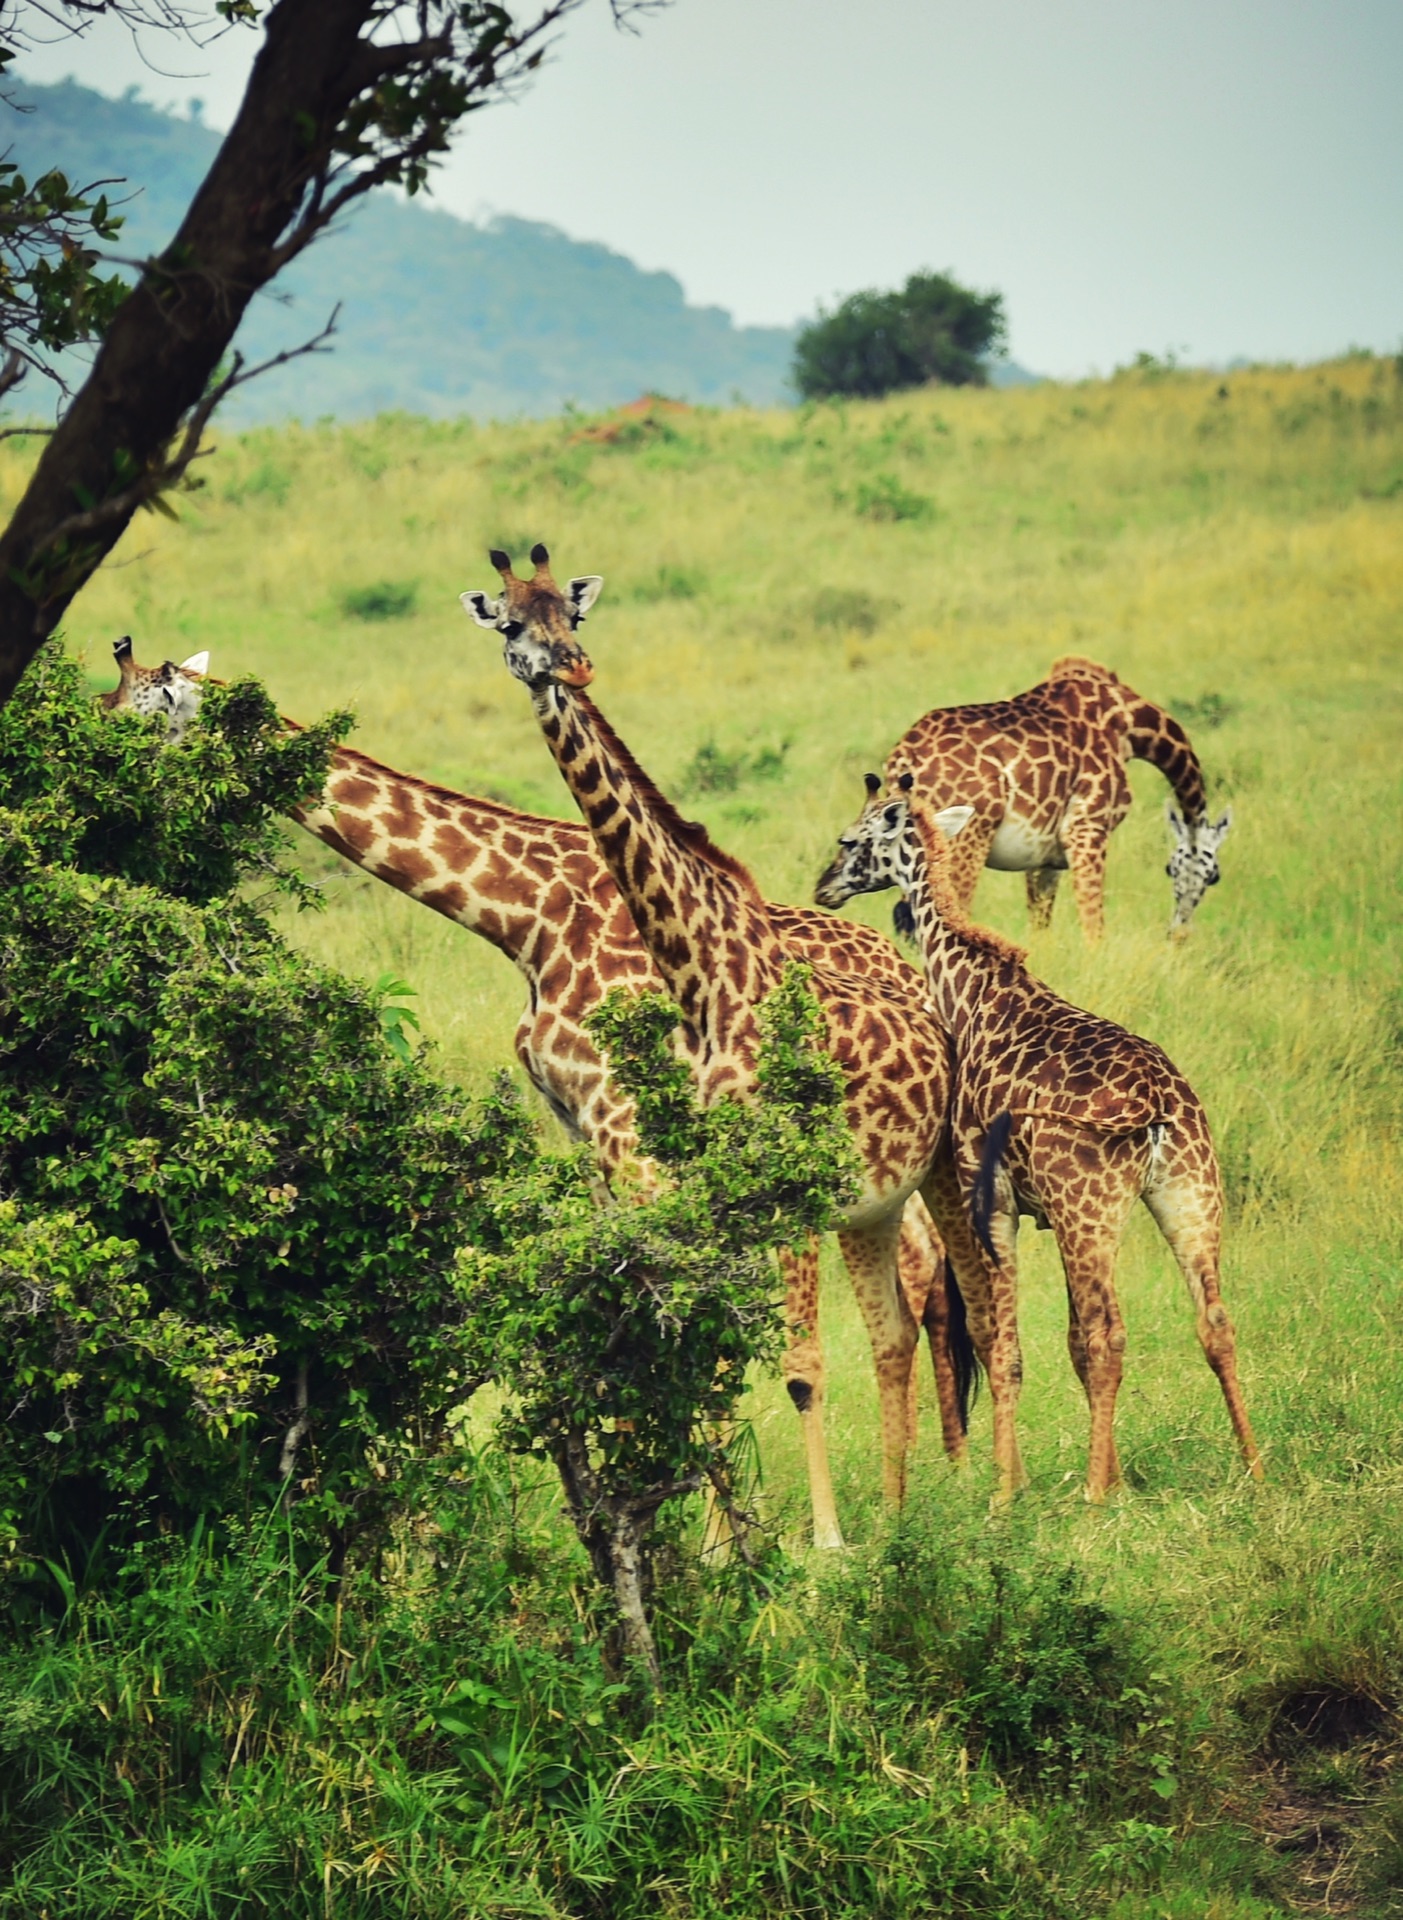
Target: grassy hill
[784, 595]
[438, 316]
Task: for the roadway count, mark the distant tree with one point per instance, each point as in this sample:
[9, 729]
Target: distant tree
[875, 343]
[344, 96]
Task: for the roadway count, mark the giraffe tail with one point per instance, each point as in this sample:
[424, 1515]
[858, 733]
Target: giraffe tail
[982, 1199]
[903, 921]
[964, 1361]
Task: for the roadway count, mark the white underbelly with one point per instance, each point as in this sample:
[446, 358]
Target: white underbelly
[1018, 845]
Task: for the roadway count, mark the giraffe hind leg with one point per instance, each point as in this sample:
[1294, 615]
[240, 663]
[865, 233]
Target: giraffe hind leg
[1041, 884]
[1097, 1347]
[921, 1262]
[1188, 1213]
[871, 1257]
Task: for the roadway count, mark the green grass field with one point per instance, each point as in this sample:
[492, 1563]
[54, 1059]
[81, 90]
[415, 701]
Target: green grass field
[784, 594]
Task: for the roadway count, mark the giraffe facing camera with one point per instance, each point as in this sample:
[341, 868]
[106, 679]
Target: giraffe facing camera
[537, 621]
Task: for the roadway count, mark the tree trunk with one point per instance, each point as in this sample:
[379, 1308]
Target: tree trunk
[173, 329]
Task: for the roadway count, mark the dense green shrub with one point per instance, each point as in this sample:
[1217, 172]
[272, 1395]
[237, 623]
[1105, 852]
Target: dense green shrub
[233, 1213]
[875, 343]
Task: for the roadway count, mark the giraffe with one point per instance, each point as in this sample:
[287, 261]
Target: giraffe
[1056, 1113]
[168, 689]
[1045, 774]
[719, 948]
[537, 890]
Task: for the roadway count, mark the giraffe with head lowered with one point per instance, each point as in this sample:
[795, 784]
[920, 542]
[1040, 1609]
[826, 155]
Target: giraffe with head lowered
[1045, 775]
[537, 890]
[1055, 1113]
[720, 947]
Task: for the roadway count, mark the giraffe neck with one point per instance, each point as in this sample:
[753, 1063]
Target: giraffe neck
[697, 910]
[1156, 736]
[497, 872]
[963, 962]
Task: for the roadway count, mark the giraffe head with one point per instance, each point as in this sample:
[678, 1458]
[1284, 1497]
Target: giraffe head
[175, 691]
[1193, 865]
[537, 621]
[876, 851]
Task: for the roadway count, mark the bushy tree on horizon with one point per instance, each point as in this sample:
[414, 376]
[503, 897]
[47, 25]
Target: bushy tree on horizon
[933, 329]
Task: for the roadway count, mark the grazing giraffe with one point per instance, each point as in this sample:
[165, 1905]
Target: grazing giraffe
[1056, 1114]
[537, 890]
[1045, 774]
[720, 947]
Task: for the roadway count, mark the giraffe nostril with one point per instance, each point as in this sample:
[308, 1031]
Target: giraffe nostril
[1170, 870]
[1213, 879]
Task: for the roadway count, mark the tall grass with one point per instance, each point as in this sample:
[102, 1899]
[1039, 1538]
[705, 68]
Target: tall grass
[1234, 548]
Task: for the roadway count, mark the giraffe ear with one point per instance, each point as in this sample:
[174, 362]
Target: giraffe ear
[197, 663]
[1176, 821]
[582, 593]
[953, 820]
[481, 607]
[1221, 825]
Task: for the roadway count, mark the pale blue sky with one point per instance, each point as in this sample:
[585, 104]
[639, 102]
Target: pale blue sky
[1217, 177]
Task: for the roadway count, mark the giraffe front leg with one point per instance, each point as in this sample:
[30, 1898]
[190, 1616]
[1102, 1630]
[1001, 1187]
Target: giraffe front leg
[803, 1372]
[1085, 842]
[1041, 883]
[871, 1257]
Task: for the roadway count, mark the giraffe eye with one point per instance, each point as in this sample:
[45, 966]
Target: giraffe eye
[511, 628]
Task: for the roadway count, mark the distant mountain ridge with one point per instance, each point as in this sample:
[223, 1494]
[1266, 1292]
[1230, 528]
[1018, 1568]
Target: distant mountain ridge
[438, 316]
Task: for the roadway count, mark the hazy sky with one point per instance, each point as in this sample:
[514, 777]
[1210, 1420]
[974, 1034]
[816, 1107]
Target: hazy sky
[1216, 177]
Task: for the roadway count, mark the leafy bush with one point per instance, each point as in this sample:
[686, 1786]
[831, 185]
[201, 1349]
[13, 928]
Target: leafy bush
[623, 1334]
[386, 600]
[875, 343]
[1040, 1679]
[712, 770]
[884, 498]
[233, 1213]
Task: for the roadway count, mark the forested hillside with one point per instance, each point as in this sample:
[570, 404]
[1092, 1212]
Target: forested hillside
[438, 316]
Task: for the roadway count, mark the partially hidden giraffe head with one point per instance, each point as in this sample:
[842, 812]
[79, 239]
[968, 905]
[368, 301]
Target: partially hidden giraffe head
[1193, 865]
[537, 621]
[175, 691]
[875, 852]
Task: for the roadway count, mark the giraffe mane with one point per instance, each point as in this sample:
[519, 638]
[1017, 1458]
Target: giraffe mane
[689, 833]
[937, 852]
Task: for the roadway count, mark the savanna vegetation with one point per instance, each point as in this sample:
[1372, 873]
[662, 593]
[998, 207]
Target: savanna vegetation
[1184, 1703]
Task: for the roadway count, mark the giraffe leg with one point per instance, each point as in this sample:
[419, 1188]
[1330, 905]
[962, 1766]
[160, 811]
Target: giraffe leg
[968, 852]
[1089, 1260]
[1076, 1349]
[921, 1264]
[1041, 883]
[1188, 1212]
[803, 1371]
[1085, 842]
[990, 1292]
[871, 1256]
